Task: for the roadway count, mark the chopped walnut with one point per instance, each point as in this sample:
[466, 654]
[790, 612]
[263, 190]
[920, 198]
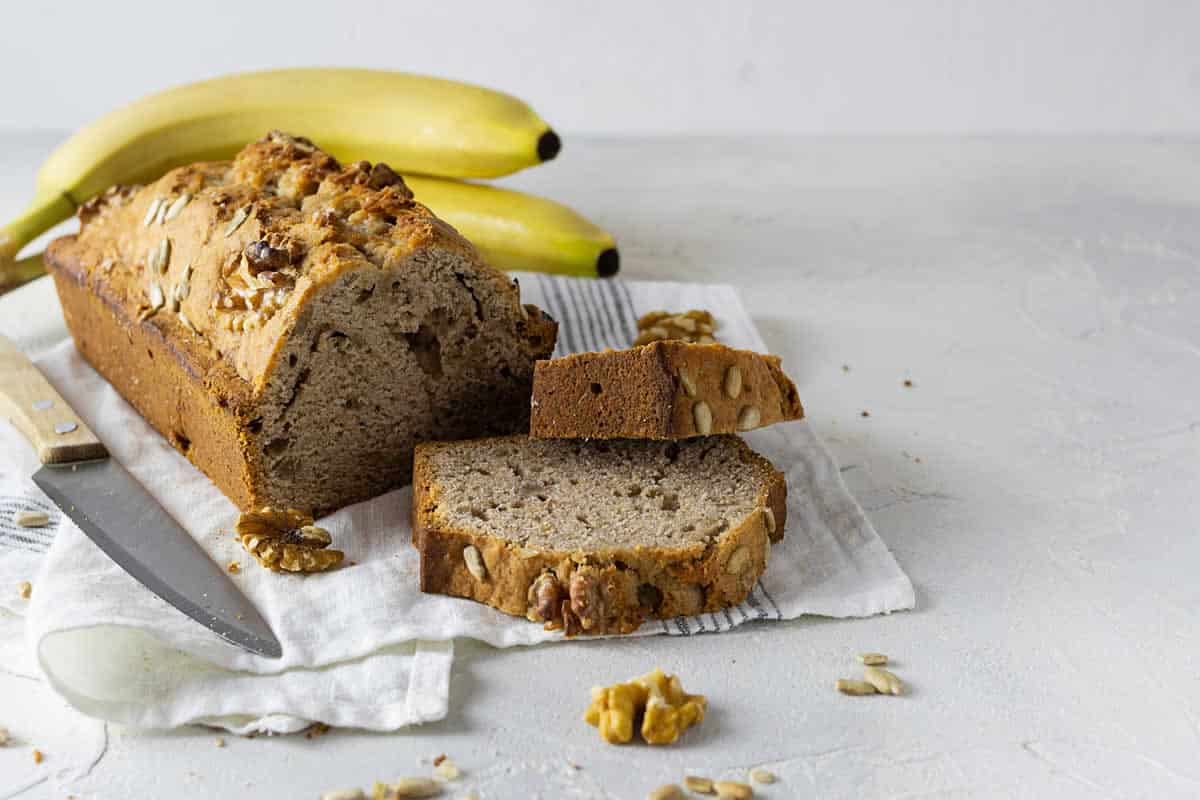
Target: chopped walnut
[545, 600]
[287, 541]
[669, 710]
[689, 326]
[666, 710]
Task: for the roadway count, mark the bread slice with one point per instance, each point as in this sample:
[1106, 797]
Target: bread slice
[295, 326]
[595, 536]
[662, 390]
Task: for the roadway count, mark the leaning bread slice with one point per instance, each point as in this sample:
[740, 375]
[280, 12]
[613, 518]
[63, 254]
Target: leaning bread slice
[662, 390]
[595, 536]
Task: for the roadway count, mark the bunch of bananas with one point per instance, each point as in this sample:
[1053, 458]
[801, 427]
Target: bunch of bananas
[422, 127]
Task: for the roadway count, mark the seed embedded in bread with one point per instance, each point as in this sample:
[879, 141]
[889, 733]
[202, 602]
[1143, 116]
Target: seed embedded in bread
[769, 518]
[733, 382]
[748, 418]
[702, 416]
[474, 562]
[685, 380]
[739, 560]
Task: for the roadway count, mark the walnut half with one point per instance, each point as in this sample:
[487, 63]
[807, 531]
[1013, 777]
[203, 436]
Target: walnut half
[287, 541]
[666, 710]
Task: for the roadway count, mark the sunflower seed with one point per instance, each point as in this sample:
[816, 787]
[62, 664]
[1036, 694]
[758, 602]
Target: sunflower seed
[474, 561]
[156, 296]
[702, 416]
[164, 255]
[344, 794]
[413, 787]
[873, 659]
[162, 212]
[31, 519]
[738, 561]
[850, 686]
[152, 211]
[748, 419]
[698, 785]
[239, 217]
[685, 380]
[733, 790]
[769, 518]
[176, 208]
[760, 775]
[884, 682]
[669, 791]
[733, 382]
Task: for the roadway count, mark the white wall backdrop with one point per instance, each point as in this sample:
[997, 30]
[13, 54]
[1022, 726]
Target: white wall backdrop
[622, 66]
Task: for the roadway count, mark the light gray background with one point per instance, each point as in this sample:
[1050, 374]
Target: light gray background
[628, 66]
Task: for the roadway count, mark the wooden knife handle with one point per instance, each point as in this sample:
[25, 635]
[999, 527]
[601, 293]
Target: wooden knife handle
[31, 404]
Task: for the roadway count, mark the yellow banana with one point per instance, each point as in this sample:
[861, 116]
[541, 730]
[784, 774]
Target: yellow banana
[514, 230]
[412, 122]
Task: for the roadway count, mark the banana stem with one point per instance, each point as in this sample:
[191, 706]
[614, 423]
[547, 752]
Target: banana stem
[46, 211]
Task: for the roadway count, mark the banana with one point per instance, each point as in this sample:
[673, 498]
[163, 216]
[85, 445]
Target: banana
[412, 122]
[514, 230]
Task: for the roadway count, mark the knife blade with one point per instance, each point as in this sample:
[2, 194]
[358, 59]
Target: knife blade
[119, 515]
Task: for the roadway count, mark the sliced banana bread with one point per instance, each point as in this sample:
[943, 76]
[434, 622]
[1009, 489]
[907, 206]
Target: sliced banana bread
[662, 390]
[295, 326]
[595, 536]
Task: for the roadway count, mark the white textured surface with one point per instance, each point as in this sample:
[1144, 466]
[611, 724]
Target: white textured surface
[669, 66]
[1044, 297]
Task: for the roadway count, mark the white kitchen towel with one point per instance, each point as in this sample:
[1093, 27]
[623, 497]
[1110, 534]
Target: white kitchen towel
[362, 647]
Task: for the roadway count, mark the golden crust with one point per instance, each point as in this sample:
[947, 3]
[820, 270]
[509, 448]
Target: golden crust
[685, 580]
[283, 213]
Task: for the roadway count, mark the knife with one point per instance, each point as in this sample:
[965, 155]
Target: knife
[119, 515]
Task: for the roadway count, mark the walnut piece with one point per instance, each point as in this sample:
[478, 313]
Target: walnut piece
[545, 600]
[695, 325]
[587, 601]
[666, 710]
[287, 541]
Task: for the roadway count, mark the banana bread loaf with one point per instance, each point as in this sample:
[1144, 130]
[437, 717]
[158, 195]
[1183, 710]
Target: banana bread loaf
[663, 390]
[595, 537]
[295, 327]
